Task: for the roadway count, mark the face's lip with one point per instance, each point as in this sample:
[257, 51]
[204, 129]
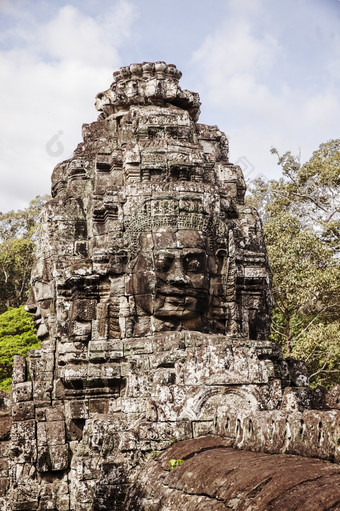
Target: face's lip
[170, 292]
[176, 292]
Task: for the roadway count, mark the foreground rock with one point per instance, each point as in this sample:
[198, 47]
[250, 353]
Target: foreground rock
[151, 293]
[215, 477]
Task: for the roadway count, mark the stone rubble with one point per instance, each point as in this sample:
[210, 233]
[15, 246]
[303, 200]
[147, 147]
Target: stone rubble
[151, 294]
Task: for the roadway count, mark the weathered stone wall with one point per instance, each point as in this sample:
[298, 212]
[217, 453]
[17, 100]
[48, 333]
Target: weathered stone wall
[173, 386]
[5, 437]
[151, 293]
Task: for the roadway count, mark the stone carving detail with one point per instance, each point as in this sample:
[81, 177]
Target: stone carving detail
[149, 181]
[151, 290]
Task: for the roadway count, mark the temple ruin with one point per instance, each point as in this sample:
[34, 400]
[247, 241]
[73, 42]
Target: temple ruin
[152, 297]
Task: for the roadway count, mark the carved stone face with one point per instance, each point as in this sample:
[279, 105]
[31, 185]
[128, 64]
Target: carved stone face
[181, 283]
[170, 278]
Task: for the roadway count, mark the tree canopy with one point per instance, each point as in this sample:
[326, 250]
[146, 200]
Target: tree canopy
[18, 231]
[301, 214]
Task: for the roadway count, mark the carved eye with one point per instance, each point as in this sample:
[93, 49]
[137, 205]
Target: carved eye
[163, 263]
[194, 264]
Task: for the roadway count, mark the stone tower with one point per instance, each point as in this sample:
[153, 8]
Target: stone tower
[151, 290]
[150, 215]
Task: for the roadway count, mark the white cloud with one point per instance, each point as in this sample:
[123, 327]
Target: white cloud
[233, 48]
[269, 74]
[320, 108]
[48, 86]
[236, 64]
[74, 37]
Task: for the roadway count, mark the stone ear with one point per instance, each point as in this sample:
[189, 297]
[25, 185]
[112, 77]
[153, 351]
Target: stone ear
[222, 253]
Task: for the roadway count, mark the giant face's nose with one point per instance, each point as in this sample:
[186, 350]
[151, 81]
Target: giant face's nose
[176, 275]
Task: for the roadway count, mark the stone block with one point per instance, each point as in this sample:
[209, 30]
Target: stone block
[3, 468]
[53, 458]
[23, 441]
[88, 467]
[19, 369]
[164, 376]
[137, 346]
[44, 290]
[84, 309]
[23, 430]
[4, 485]
[5, 428]
[167, 359]
[98, 406]
[23, 410]
[44, 363]
[55, 414]
[51, 433]
[297, 372]
[42, 391]
[63, 503]
[222, 365]
[134, 406]
[74, 376]
[296, 399]
[82, 494]
[77, 409]
[102, 374]
[22, 391]
[24, 503]
[72, 352]
[333, 398]
[105, 351]
[5, 448]
[202, 428]
[81, 330]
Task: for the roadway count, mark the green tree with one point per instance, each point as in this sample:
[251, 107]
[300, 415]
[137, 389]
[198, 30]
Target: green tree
[22, 223]
[16, 260]
[319, 346]
[17, 337]
[301, 214]
[18, 231]
[306, 288]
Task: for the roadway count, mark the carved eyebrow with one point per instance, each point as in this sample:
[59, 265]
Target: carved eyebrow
[193, 251]
[163, 255]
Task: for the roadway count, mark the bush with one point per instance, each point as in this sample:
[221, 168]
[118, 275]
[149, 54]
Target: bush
[17, 337]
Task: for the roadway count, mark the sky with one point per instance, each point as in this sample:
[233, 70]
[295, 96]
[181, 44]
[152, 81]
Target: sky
[267, 72]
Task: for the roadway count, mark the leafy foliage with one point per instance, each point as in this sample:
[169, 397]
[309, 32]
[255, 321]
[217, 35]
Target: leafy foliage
[18, 231]
[17, 337]
[16, 260]
[311, 191]
[22, 223]
[301, 214]
[320, 348]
